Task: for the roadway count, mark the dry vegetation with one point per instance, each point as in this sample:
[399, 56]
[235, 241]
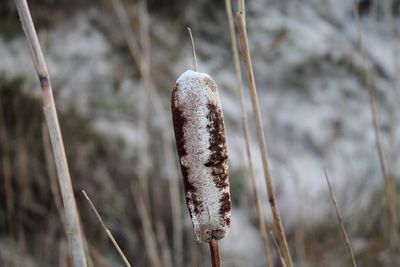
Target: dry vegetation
[142, 207]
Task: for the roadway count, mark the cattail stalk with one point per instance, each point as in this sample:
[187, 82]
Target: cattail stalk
[74, 234]
[261, 138]
[214, 250]
[246, 132]
[52, 173]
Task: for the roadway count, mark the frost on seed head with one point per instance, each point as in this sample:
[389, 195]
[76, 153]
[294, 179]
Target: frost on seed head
[200, 137]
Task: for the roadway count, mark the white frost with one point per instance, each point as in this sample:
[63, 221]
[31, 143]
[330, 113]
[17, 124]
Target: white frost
[194, 93]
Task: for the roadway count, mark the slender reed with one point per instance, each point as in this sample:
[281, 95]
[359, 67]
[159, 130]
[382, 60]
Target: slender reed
[74, 234]
[389, 183]
[241, 7]
[246, 132]
[261, 138]
[340, 219]
[51, 172]
[278, 249]
[110, 236]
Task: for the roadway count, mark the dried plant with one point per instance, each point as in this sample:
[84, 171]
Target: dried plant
[201, 143]
[76, 244]
[340, 218]
[389, 184]
[246, 132]
[108, 232]
[261, 138]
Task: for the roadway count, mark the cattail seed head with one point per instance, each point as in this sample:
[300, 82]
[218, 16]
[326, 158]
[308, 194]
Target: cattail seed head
[201, 143]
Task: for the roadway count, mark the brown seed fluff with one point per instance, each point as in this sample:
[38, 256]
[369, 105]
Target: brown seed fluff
[200, 139]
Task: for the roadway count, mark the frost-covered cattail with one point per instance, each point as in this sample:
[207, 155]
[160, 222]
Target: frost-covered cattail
[200, 139]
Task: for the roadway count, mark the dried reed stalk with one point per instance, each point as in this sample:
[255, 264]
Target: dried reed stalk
[246, 132]
[214, 249]
[52, 173]
[241, 7]
[261, 139]
[389, 184]
[340, 219]
[278, 249]
[110, 236]
[74, 234]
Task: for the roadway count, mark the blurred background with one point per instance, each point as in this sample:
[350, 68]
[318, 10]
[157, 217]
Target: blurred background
[113, 65]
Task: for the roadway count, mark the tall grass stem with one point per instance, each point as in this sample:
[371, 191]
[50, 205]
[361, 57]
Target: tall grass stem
[340, 219]
[261, 138]
[246, 133]
[74, 234]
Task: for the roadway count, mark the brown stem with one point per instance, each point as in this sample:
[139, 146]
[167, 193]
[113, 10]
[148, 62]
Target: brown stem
[214, 249]
[278, 249]
[74, 233]
[246, 132]
[340, 219]
[108, 232]
[261, 139]
[52, 173]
